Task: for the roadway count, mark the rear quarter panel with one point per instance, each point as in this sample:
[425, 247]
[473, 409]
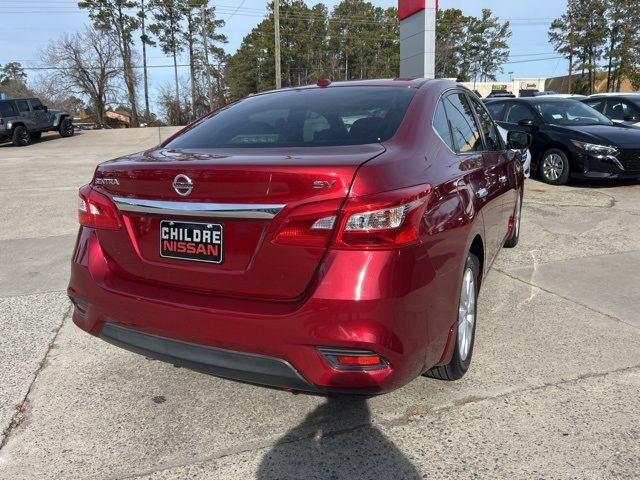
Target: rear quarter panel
[414, 156]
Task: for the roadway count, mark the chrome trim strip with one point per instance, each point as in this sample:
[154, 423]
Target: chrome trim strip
[197, 209]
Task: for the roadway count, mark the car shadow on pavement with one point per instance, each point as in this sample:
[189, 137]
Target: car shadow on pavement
[337, 440]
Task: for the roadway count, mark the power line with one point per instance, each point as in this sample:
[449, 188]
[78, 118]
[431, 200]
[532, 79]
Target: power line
[236, 10]
[217, 64]
[532, 60]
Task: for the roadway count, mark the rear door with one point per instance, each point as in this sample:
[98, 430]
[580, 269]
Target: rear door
[496, 154]
[26, 114]
[468, 140]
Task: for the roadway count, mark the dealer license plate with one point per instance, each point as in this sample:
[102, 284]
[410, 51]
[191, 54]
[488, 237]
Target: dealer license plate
[198, 242]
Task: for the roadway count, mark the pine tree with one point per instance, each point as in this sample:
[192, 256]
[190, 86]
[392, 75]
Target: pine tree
[167, 27]
[117, 17]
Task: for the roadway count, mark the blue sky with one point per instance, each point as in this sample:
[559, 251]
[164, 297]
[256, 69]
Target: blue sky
[27, 27]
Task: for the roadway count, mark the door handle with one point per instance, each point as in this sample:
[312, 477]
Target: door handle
[482, 192]
[503, 179]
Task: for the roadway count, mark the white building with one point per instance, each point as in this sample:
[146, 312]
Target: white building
[520, 87]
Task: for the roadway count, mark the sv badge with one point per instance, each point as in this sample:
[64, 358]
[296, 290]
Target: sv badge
[324, 184]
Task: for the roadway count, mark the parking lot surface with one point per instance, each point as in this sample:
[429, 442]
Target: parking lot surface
[553, 391]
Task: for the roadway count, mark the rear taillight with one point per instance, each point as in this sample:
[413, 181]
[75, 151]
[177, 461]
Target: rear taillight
[372, 222]
[383, 221]
[96, 210]
[310, 225]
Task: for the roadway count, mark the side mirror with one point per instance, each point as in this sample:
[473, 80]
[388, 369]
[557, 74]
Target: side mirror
[632, 118]
[527, 122]
[518, 140]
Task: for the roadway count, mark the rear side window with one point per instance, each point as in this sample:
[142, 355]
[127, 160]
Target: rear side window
[23, 105]
[465, 130]
[619, 109]
[316, 117]
[441, 125]
[6, 109]
[517, 112]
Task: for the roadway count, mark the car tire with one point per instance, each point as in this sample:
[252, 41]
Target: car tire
[35, 135]
[554, 167]
[20, 136]
[66, 128]
[513, 239]
[465, 328]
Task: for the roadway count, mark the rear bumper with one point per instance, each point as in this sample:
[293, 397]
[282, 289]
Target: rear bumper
[240, 366]
[384, 302]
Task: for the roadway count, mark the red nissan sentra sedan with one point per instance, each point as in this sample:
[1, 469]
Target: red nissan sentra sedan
[331, 238]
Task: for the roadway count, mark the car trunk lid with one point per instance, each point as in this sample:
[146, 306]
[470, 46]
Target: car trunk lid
[242, 194]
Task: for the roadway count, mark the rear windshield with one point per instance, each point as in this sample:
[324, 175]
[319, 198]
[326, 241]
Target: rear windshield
[318, 117]
[6, 109]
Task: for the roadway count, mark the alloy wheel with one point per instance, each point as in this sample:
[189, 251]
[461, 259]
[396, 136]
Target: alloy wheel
[23, 136]
[552, 166]
[466, 314]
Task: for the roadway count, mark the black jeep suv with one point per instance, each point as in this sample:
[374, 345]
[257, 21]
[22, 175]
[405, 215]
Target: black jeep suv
[24, 119]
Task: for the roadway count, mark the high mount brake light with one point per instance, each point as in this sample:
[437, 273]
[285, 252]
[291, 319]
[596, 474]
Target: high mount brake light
[96, 210]
[373, 222]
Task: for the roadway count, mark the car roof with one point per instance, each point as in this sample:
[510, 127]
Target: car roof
[615, 94]
[542, 99]
[384, 82]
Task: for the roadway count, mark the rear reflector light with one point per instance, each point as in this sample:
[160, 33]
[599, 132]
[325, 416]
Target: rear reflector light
[359, 361]
[96, 210]
[81, 306]
[351, 359]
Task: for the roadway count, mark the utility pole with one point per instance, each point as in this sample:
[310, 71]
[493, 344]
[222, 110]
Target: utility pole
[205, 44]
[144, 61]
[570, 76]
[276, 21]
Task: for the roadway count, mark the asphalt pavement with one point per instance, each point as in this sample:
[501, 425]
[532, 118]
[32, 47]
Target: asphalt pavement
[553, 392]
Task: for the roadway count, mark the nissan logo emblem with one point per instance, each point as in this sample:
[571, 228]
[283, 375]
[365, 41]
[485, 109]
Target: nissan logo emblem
[182, 185]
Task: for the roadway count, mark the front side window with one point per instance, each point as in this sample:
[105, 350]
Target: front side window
[491, 134]
[36, 104]
[465, 131]
[23, 105]
[315, 117]
[516, 112]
